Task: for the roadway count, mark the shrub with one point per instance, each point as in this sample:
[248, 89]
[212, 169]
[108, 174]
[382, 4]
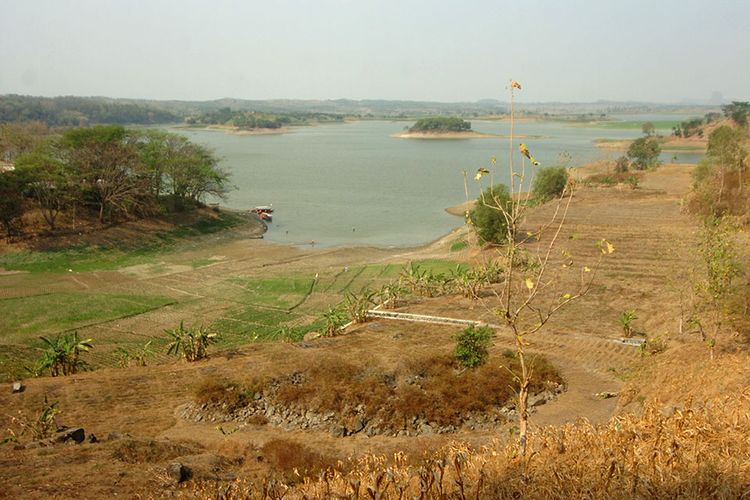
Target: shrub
[487, 216]
[221, 393]
[62, 355]
[40, 426]
[334, 319]
[471, 346]
[291, 459]
[357, 305]
[626, 320]
[550, 183]
[644, 153]
[189, 342]
[622, 164]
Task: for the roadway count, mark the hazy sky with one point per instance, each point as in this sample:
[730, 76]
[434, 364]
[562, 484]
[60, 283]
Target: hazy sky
[567, 50]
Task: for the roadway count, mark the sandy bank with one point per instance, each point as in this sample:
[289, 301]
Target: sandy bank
[460, 209]
[671, 145]
[444, 135]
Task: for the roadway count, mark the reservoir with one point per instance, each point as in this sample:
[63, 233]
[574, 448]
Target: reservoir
[354, 184]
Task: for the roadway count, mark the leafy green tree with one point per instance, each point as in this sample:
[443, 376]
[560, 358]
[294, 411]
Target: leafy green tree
[13, 184]
[441, 124]
[51, 182]
[644, 153]
[726, 150]
[487, 216]
[19, 138]
[737, 111]
[192, 174]
[648, 129]
[472, 346]
[106, 161]
[549, 183]
[717, 269]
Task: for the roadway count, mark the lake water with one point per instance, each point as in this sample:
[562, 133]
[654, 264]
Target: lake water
[353, 184]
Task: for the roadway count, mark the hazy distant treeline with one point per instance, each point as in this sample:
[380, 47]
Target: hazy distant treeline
[253, 119]
[80, 111]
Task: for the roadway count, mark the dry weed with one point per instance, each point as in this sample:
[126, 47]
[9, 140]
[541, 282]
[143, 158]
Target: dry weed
[700, 452]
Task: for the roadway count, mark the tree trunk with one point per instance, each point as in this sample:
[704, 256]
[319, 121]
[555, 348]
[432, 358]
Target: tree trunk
[101, 213]
[523, 398]
[523, 415]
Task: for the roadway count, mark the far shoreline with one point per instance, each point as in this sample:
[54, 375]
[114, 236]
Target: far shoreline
[454, 135]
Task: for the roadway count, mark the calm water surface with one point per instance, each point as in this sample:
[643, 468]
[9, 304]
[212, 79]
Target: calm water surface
[353, 184]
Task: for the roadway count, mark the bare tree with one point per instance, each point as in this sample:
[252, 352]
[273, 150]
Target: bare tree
[534, 287]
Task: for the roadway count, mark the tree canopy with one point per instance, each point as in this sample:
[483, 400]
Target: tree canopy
[487, 216]
[112, 171]
[737, 111]
[79, 111]
[644, 153]
[441, 124]
[549, 183]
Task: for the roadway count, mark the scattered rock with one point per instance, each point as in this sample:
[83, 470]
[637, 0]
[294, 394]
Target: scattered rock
[359, 424]
[606, 395]
[18, 387]
[338, 431]
[114, 436]
[92, 438]
[311, 336]
[178, 472]
[76, 434]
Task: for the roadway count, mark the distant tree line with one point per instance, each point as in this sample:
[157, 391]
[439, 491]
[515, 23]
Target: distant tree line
[79, 111]
[252, 119]
[441, 124]
[737, 111]
[108, 172]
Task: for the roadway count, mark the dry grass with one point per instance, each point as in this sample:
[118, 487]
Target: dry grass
[137, 451]
[291, 461]
[223, 393]
[704, 199]
[700, 452]
[432, 387]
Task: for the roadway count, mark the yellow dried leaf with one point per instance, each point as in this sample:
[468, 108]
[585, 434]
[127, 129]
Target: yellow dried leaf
[529, 283]
[586, 269]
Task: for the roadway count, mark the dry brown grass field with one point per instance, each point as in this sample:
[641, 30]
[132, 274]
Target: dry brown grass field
[677, 429]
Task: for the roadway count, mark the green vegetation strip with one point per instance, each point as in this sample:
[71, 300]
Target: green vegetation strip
[633, 124]
[103, 258]
[27, 317]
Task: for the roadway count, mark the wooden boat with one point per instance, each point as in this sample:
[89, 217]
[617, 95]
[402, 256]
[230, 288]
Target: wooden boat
[264, 212]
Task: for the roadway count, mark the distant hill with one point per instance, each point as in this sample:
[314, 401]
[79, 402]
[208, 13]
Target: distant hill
[77, 111]
[80, 111]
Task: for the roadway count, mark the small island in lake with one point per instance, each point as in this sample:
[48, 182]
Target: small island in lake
[441, 127]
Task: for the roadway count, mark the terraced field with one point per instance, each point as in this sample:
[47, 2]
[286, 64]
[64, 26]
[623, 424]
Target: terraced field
[249, 290]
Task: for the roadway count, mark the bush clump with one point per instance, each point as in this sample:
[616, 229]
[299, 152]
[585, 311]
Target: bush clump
[487, 216]
[549, 183]
[472, 346]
